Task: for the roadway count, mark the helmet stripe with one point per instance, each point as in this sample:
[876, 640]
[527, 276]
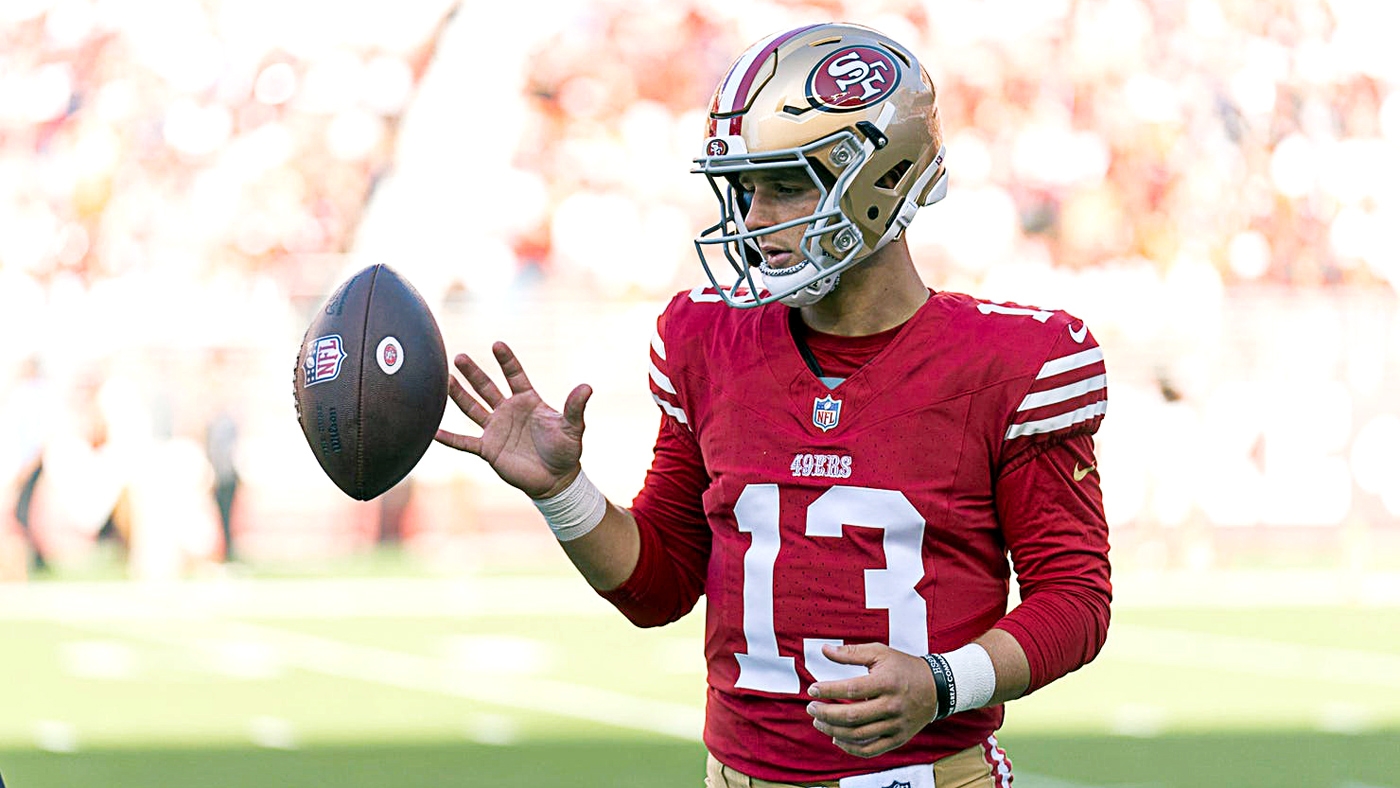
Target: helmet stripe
[735, 93]
[724, 100]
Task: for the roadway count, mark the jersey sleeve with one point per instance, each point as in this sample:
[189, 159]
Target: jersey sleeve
[1068, 395]
[1051, 511]
[663, 390]
[675, 535]
[1050, 506]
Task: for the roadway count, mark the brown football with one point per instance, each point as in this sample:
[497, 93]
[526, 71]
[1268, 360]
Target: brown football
[371, 382]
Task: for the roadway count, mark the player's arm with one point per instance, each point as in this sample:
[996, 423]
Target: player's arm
[673, 535]
[536, 449]
[1009, 664]
[648, 561]
[606, 555]
[1051, 508]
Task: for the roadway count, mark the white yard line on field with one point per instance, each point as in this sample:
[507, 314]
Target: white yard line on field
[1252, 655]
[568, 594]
[319, 598]
[1030, 780]
[443, 677]
[426, 674]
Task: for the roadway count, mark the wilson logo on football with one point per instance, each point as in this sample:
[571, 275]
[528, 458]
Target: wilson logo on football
[323, 359]
[852, 78]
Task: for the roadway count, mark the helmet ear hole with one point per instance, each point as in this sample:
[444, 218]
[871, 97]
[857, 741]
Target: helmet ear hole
[873, 212]
[890, 180]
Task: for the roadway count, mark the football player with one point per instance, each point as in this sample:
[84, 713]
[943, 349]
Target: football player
[846, 459]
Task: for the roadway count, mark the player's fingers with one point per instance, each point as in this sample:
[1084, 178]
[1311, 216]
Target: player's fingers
[868, 748]
[481, 382]
[574, 405]
[858, 688]
[464, 443]
[866, 654]
[857, 737]
[851, 715]
[868, 738]
[856, 653]
[510, 365]
[466, 402]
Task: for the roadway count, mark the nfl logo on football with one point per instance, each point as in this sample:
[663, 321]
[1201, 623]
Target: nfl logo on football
[323, 359]
[826, 413]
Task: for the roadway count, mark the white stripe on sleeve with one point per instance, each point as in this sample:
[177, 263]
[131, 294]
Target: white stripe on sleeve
[1058, 422]
[671, 410]
[1057, 366]
[1040, 399]
[659, 378]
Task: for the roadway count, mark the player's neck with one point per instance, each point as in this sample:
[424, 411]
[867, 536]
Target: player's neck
[876, 294]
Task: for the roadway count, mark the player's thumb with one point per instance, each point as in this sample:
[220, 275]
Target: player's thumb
[855, 654]
[574, 405]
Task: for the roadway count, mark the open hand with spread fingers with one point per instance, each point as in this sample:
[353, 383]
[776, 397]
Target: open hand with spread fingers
[527, 443]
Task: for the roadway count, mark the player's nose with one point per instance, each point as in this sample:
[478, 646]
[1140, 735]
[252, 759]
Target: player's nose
[760, 213]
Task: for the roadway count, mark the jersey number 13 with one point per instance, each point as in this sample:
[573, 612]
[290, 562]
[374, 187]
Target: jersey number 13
[761, 666]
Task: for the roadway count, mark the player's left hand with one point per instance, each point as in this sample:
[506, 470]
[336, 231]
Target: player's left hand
[877, 712]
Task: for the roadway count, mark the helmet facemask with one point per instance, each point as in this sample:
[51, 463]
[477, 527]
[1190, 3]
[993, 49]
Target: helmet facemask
[830, 244]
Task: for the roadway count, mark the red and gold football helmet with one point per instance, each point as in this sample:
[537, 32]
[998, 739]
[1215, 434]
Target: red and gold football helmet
[855, 111]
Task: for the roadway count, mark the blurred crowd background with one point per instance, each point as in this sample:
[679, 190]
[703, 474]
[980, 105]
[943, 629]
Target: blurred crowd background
[1214, 185]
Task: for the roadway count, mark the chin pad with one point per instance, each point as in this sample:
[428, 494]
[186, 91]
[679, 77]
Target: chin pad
[813, 286]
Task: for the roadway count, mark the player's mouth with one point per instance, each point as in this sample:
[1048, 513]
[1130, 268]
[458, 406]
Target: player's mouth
[775, 257]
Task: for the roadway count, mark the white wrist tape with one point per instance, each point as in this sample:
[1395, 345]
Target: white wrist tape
[575, 511]
[976, 677]
[964, 679]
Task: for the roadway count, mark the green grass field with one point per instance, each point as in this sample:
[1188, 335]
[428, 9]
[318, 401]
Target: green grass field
[532, 681]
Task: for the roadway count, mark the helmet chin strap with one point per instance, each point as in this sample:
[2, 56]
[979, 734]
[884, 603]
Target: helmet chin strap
[814, 286]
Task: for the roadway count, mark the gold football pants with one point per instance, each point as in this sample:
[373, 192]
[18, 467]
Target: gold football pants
[971, 768]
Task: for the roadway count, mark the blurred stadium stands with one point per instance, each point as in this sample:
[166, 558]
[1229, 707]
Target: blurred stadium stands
[1213, 186]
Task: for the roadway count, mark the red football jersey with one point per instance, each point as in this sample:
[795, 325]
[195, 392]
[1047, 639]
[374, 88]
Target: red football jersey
[878, 511]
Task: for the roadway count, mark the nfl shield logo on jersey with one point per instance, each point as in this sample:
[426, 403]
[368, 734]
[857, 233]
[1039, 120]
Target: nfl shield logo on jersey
[826, 413]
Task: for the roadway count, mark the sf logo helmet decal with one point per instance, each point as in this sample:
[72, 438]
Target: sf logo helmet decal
[852, 78]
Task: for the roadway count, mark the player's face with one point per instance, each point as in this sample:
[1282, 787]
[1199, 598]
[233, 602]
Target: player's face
[777, 196]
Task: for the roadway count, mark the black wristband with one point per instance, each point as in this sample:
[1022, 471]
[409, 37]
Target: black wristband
[943, 684]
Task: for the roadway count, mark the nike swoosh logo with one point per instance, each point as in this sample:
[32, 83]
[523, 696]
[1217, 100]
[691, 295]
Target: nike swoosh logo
[1078, 336]
[1080, 473]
